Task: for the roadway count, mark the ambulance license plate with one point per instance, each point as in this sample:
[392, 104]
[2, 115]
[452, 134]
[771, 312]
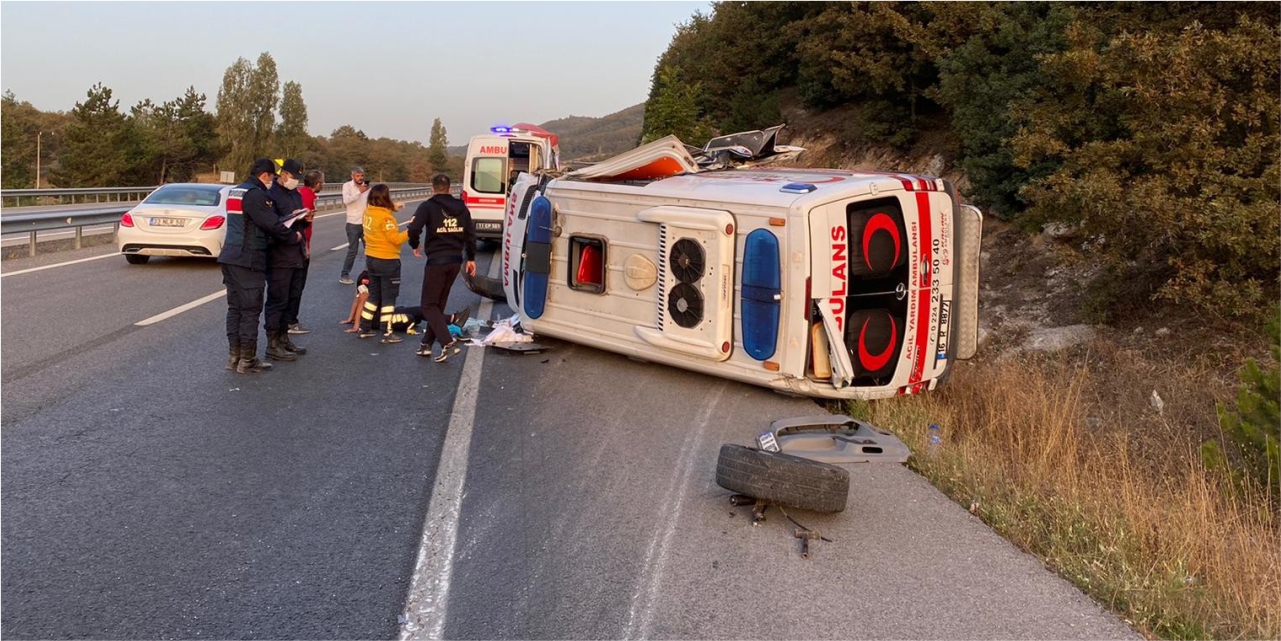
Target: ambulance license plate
[488, 226]
[168, 222]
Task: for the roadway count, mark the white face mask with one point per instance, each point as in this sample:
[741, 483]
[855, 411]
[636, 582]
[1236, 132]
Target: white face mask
[267, 183]
[290, 184]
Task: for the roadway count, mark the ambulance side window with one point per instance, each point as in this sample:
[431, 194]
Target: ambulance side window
[487, 175]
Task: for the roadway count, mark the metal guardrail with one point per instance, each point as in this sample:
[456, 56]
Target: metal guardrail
[113, 194]
[102, 216]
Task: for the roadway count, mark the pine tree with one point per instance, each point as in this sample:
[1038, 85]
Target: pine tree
[95, 152]
[436, 149]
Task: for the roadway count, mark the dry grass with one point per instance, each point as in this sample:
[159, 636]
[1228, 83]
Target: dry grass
[1074, 467]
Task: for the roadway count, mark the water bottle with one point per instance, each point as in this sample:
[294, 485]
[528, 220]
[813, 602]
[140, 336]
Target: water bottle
[936, 440]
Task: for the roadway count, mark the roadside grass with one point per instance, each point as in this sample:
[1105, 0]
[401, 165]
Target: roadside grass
[1078, 468]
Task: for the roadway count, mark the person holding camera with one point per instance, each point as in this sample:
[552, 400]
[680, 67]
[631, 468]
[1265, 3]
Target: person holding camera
[355, 195]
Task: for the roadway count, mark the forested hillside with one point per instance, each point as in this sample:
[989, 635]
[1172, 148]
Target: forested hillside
[588, 137]
[582, 137]
[1149, 128]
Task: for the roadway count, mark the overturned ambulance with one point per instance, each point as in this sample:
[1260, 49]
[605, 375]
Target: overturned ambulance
[825, 283]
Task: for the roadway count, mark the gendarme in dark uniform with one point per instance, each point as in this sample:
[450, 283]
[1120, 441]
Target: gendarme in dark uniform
[251, 221]
[286, 262]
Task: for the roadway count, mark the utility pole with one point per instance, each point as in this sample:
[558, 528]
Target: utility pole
[38, 135]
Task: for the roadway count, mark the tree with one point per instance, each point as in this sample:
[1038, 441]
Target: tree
[996, 65]
[247, 110]
[672, 109]
[200, 130]
[1165, 137]
[97, 142]
[436, 149]
[171, 139]
[291, 135]
[18, 122]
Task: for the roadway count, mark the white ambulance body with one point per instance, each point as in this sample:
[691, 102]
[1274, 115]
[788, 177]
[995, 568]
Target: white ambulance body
[492, 160]
[825, 283]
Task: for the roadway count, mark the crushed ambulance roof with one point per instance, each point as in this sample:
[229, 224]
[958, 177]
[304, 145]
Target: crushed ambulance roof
[762, 185]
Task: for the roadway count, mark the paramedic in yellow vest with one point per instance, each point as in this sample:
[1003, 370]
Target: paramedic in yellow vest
[383, 238]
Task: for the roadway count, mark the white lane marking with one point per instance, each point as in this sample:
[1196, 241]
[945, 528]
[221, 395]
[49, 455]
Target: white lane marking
[645, 597]
[180, 309]
[346, 245]
[428, 598]
[70, 262]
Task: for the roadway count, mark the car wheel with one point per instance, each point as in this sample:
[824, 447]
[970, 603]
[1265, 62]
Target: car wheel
[137, 259]
[782, 478]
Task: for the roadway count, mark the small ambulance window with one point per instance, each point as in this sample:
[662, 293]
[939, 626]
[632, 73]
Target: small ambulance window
[587, 264]
[487, 175]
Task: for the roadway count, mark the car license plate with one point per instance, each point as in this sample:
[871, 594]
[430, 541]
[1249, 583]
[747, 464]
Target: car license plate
[168, 222]
[488, 226]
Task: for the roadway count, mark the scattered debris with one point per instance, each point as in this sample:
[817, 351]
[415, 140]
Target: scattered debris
[806, 536]
[505, 332]
[526, 348]
[1157, 402]
[833, 439]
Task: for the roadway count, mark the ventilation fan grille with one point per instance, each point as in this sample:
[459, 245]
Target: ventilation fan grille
[688, 261]
[685, 304]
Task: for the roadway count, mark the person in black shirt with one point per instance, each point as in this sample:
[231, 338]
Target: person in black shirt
[251, 221]
[450, 245]
[286, 266]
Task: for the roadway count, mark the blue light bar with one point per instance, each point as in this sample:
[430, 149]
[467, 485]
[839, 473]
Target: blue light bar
[501, 130]
[760, 299]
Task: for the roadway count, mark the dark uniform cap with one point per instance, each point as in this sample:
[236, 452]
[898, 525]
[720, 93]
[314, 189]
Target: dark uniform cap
[262, 165]
[293, 167]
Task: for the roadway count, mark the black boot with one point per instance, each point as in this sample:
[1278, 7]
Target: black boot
[276, 350]
[288, 344]
[233, 356]
[249, 363]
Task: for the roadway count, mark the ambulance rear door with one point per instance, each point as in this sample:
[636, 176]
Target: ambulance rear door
[485, 183]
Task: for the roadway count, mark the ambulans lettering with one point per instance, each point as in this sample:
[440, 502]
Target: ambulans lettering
[495, 150]
[837, 301]
[507, 242]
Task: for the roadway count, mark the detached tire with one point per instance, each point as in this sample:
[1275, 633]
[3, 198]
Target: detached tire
[137, 259]
[782, 478]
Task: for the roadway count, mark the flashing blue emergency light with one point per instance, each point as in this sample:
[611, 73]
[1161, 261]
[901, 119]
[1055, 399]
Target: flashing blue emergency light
[761, 294]
[501, 130]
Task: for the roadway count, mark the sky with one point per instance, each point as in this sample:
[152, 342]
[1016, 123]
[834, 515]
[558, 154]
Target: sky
[387, 68]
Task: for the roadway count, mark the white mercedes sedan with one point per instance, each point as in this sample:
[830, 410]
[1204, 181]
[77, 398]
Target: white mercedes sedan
[179, 219]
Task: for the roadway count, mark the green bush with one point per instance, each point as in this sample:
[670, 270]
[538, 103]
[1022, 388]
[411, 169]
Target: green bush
[1166, 142]
[1253, 428]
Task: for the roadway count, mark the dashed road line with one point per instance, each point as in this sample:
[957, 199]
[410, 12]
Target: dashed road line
[181, 308]
[44, 267]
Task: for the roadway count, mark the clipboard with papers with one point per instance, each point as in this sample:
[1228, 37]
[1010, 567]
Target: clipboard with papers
[294, 216]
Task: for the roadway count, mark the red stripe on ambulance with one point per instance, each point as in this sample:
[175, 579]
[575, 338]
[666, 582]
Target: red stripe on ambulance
[923, 294]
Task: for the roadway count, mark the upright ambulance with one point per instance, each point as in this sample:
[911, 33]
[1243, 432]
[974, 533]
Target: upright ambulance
[493, 160]
[820, 282]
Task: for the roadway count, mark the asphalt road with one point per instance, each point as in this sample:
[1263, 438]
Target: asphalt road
[148, 493]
